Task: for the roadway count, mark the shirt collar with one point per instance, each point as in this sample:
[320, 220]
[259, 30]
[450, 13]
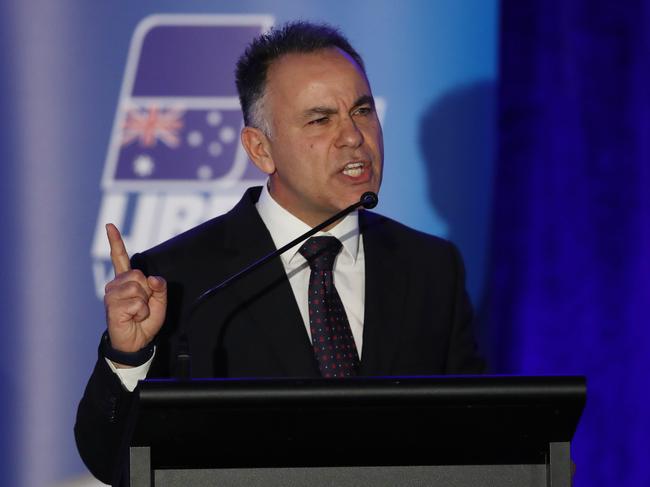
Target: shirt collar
[284, 227]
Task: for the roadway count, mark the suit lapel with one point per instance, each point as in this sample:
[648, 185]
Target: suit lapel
[271, 303]
[386, 290]
[267, 293]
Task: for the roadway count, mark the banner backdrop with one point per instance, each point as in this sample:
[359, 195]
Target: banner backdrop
[96, 128]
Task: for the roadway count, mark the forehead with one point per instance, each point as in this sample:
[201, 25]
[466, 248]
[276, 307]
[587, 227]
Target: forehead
[319, 73]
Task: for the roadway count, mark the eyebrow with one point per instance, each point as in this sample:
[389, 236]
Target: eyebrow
[323, 110]
[364, 100]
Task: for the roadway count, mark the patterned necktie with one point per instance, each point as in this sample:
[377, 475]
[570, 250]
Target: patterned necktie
[331, 335]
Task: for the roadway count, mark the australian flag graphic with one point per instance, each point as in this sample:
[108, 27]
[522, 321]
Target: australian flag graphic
[178, 118]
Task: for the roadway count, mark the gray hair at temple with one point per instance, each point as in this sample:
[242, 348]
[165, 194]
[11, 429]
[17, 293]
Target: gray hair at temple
[253, 65]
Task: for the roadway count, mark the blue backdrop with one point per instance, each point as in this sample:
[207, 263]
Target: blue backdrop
[562, 275]
[63, 65]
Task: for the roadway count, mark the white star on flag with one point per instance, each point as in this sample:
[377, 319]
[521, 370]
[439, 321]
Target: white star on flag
[143, 166]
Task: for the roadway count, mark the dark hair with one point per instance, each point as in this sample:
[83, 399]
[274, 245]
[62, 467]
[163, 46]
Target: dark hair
[293, 37]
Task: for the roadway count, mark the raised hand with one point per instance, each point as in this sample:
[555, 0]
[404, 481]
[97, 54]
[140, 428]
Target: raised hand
[135, 304]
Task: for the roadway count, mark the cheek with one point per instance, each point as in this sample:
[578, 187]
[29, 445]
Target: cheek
[371, 133]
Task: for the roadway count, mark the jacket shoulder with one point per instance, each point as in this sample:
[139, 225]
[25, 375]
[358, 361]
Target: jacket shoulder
[204, 240]
[398, 235]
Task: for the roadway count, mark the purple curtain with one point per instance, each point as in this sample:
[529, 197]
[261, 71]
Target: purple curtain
[570, 274]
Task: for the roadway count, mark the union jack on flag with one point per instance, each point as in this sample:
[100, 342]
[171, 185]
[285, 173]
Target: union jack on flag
[148, 126]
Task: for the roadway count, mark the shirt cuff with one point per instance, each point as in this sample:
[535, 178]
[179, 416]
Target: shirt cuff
[130, 377]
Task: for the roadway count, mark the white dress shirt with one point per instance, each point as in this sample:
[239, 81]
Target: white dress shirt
[349, 265]
[349, 272]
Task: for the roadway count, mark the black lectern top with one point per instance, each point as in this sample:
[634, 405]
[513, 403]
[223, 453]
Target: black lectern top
[384, 421]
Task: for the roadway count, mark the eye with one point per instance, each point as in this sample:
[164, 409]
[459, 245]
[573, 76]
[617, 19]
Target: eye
[364, 111]
[319, 121]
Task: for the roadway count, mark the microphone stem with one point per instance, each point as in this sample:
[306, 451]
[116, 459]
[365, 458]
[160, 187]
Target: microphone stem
[183, 357]
[275, 253]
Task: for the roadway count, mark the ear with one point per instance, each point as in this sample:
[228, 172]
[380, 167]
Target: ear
[258, 148]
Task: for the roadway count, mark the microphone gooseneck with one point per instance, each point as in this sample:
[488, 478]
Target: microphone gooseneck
[183, 358]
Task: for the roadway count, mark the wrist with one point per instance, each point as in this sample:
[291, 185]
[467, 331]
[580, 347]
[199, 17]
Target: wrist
[119, 358]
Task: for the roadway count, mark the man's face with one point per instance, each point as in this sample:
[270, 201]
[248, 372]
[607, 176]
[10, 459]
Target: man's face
[326, 145]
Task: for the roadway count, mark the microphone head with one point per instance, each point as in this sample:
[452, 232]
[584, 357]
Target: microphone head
[369, 200]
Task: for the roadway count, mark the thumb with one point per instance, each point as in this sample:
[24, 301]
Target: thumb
[158, 286]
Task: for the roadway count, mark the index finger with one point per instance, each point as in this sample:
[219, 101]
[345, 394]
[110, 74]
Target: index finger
[119, 257]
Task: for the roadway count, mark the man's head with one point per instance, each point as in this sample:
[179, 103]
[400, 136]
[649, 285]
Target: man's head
[292, 38]
[310, 119]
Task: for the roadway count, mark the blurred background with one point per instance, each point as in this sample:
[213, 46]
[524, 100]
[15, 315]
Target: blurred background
[519, 130]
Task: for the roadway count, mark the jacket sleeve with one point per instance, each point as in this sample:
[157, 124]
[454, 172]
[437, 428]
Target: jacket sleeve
[102, 421]
[102, 415]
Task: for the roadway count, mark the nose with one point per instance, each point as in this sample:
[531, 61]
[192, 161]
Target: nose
[349, 134]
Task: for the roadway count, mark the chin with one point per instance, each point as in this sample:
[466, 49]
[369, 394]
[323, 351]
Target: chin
[359, 191]
[354, 197]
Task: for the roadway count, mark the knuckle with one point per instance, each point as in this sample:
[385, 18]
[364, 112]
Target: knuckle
[136, 274]
[110, 298]
[143, 312]
[139, 307]
[132, 288]
[110, 286]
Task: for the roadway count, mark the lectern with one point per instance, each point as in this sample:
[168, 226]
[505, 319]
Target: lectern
[395, 431]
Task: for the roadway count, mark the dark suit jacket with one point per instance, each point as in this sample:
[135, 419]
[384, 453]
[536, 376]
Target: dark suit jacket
[417, 316]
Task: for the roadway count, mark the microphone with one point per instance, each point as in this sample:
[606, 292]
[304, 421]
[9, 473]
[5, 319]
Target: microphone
[368, 200]
[183, 358]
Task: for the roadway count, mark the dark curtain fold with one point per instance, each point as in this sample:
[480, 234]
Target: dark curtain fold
[570, 273]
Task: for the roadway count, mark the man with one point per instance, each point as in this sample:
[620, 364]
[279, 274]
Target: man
[394, 300]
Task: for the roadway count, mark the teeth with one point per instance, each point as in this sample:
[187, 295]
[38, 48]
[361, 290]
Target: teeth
[352, 165]
[354, 169]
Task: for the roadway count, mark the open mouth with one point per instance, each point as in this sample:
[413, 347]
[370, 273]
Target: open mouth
[353, 169]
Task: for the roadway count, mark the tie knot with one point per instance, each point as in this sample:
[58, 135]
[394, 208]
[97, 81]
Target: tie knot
[320, 252]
